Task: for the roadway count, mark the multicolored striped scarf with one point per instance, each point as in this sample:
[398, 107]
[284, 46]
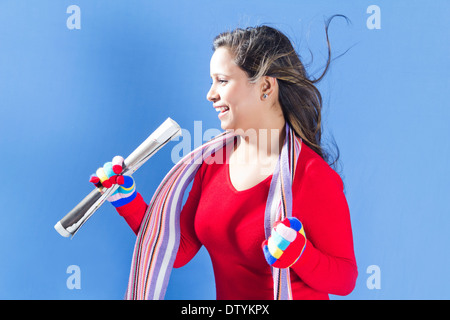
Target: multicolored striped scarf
[159, 236]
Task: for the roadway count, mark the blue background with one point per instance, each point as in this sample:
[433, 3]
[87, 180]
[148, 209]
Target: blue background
[72, 99]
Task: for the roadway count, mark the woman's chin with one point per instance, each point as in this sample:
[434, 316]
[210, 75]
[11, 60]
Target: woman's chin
[225, 125]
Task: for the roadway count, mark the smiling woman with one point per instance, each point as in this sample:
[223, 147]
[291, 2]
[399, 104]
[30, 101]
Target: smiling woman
[265, 52]
[252, 110]
[272, 215]
[240, 102]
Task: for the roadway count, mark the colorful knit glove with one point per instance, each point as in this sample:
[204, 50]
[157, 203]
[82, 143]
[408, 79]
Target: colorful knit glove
[110, 174]
[285, 244]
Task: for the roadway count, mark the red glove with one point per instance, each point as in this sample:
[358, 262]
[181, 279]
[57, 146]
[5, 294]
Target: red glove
[110, 174]
[285, 244]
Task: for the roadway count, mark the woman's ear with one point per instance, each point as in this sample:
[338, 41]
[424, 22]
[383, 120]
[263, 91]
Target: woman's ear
[268, 87]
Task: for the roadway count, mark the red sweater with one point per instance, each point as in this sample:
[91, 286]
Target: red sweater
[230, 224]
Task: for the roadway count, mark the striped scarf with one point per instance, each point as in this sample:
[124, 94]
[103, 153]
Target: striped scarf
[159, 236]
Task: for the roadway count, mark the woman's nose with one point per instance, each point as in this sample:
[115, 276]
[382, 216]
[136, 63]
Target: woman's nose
[212, 95]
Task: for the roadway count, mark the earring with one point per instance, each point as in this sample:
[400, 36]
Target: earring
[265, 96]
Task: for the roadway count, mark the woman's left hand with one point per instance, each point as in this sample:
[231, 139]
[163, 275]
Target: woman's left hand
[285, 244]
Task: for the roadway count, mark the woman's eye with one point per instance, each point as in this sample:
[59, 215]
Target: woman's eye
[220, 81]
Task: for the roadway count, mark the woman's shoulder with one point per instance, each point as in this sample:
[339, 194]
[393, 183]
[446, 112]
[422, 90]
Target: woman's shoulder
[213, 163]
[312, 169]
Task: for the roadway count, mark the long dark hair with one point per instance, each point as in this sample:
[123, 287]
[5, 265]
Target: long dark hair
[266, 51]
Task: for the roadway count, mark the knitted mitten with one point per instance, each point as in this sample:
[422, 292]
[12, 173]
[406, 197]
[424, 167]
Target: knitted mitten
[110, 174]
[285, 244]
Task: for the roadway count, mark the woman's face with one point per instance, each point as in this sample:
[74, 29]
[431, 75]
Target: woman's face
[233, 96]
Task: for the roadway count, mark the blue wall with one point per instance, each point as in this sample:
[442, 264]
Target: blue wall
[70, 99]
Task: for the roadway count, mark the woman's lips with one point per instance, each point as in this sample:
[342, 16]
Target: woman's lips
[222, 110]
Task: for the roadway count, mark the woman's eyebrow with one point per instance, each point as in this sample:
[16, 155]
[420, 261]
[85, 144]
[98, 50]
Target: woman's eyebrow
[219, 74]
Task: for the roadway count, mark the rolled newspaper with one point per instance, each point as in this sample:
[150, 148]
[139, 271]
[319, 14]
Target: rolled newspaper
[73, 220]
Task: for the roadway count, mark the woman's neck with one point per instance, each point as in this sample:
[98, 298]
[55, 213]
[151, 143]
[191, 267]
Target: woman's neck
[260, 146]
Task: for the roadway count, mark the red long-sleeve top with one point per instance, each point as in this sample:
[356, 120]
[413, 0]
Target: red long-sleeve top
[230, 224]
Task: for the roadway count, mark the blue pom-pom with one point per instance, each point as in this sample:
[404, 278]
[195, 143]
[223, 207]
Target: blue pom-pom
[295, 224]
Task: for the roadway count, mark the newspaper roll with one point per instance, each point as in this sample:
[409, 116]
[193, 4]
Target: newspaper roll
[73, 220]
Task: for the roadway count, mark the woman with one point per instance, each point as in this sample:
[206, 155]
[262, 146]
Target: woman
[262, 93]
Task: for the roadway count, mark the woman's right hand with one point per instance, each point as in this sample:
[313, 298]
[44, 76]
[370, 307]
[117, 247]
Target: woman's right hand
[111, 174]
